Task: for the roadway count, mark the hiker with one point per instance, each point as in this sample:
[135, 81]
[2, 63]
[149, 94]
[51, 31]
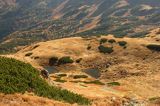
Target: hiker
[45, 73]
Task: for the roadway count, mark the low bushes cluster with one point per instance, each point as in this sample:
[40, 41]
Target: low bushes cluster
[104, 49]
[63, 60]
[19, 77]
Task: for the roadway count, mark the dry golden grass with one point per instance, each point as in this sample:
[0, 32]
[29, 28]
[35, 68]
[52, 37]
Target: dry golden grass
[27, 100]
[136, 68]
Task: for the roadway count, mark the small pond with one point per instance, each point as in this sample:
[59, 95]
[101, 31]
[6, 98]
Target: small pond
[95, 73]
[51, 69]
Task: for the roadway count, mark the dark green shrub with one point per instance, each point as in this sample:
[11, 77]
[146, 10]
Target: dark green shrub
[19, 77]
[114, 84]
[79, 60]
[103, 40]
[80, 76]
[122, 43]
[28, 54]
[111, 41]
[62, 75]
[60, 80]
[104, 49]
[65, 60]
[154, 47]
[53, 61]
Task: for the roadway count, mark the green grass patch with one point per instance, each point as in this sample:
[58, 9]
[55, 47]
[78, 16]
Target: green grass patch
[80, 76]
[60, 80]
[61, 75]
[114, 84]
[19, 77]
[75, 81]
[97, 82]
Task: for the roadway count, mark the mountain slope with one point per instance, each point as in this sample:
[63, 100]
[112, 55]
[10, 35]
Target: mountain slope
[127, 72]
[25, 22]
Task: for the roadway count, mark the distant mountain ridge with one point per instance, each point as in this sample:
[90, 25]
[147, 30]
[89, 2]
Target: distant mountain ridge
[23, 22]
[7, 2]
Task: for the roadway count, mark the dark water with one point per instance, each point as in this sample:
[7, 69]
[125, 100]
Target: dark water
[51, 69]
[93, 72]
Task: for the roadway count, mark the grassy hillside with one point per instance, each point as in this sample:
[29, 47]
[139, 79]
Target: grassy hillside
[126, 66]
[19, 77]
